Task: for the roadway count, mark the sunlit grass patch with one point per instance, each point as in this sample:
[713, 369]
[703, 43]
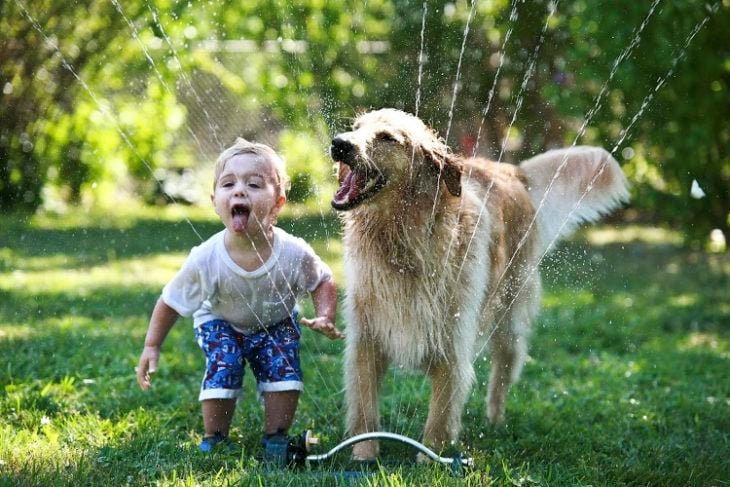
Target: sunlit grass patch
[626, 381]
[605, 235]
[124, 215]
[40, 277]
[558, 299]
[709, 342]
[10, 260]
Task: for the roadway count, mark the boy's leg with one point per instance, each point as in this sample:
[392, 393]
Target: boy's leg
[217, 415]
[279, 409]
[275, 363]
[223, 348]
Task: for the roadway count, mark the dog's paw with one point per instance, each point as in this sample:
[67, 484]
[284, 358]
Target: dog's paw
[495, 414]
[496, 418]
[367, 451]
[422, 459]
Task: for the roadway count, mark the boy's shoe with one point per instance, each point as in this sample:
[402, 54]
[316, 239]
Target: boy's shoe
[276, 449]
[217, 442]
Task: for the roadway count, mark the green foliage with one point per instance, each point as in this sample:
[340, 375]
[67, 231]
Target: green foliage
[156, 84]
[310, 169]
[682, 135]
[71, 105]
[46, 45]
[626, 384]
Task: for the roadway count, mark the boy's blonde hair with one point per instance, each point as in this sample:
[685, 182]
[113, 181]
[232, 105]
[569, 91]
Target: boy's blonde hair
[243, 146]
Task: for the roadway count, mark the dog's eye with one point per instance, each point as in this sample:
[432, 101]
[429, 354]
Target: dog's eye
[386, 137]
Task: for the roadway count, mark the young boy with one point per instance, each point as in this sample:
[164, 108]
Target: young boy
[241, 287]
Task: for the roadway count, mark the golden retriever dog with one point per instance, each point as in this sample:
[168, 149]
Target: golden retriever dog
[441, 256]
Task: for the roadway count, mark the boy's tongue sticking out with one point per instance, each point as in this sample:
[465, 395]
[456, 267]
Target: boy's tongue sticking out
[239, 219]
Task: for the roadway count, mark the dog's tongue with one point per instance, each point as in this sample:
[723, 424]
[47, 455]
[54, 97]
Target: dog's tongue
[350, 187]
[239, 221]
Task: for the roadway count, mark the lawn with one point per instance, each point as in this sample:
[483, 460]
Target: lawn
[628, 380]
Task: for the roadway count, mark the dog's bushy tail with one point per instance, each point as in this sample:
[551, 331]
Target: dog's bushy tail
[560, 179]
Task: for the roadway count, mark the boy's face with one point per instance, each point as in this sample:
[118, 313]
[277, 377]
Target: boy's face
[246, 196]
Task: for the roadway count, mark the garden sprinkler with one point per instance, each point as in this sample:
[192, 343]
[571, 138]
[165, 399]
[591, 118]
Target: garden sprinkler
[293, 451]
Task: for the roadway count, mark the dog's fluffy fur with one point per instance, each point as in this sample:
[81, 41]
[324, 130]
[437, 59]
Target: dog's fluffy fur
[441, 255]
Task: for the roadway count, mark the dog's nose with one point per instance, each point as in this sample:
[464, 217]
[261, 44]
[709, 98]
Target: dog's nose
[341, 150]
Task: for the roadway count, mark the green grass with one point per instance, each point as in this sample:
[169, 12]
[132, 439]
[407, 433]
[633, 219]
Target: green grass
[628, 380]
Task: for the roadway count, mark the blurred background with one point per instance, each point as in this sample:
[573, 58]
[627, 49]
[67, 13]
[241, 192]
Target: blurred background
[104, 101]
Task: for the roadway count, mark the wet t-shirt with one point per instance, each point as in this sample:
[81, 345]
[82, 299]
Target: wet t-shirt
[210, 285]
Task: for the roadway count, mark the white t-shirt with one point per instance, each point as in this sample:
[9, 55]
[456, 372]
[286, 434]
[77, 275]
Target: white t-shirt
[210, 285]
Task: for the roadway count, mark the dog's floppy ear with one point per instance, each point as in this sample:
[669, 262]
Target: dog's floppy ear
[449, 166]
[452, 175]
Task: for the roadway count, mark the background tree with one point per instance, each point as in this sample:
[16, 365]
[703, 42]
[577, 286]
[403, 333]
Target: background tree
[683, 134]
[169, 83]
[42, 45]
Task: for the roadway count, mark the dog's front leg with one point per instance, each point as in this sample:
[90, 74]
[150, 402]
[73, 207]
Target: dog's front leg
[451, 381]
[365, 366]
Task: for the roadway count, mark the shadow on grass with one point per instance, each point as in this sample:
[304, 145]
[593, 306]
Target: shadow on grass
[636, 289]
[21, 308]
[88, 246]
[152, 456]
[96, 363]
[596, 424]
[616, 392]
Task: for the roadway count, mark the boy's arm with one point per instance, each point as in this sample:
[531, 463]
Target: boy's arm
[162, 320]
[325, 306]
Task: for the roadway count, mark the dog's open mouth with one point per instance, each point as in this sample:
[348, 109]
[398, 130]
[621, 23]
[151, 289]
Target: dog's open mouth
[358, 185]
[239, 217]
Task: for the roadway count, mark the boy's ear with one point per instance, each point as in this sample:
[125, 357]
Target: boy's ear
[274, 214]
[279, 204]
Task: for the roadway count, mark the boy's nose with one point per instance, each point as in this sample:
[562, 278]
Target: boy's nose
[239, 189]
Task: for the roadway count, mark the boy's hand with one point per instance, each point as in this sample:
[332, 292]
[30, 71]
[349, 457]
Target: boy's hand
[323, 325]
[147, 365]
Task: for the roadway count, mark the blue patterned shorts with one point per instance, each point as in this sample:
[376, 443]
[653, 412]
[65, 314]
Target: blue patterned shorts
[272, 354]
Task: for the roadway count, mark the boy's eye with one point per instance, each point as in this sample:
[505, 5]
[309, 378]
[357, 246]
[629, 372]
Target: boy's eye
[227, 184]
[253, 185]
